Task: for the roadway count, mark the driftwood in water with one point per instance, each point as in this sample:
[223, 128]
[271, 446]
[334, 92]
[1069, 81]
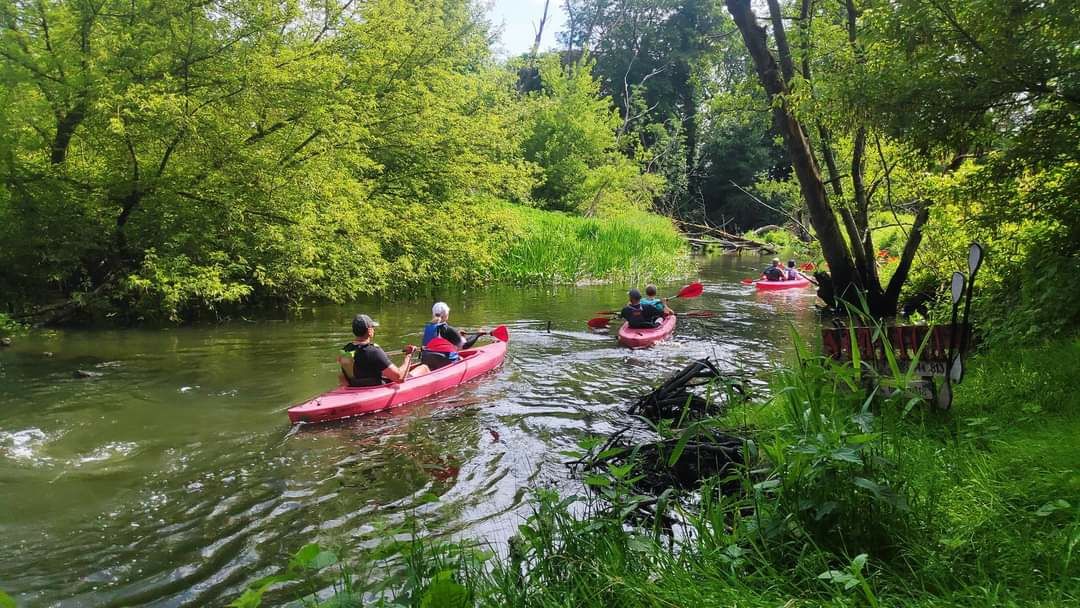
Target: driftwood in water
[673, 399]
[690, 448]
[724, 238]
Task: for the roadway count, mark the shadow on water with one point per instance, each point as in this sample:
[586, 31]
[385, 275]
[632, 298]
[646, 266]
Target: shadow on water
[169, 477]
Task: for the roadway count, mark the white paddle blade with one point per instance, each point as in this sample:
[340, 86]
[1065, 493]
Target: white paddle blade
[975, 257]
[957, 286]
[944, 396]
[956, 372]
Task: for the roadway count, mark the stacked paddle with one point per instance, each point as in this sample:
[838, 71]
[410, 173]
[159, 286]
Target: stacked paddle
[692, 290]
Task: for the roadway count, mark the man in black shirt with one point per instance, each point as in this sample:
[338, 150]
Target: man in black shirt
[774, 272]
[637, 315]
[364, 362]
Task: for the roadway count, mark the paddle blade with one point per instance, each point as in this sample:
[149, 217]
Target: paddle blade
[501, 333]
[975, 256]
[692, 290]
[599, 322]
[747, 281]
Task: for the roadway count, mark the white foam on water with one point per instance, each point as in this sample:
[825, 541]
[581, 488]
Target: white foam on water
[116, 449]
[24, 445]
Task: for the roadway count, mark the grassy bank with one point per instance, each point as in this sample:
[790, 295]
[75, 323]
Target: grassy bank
[558, 248]
[860, 500]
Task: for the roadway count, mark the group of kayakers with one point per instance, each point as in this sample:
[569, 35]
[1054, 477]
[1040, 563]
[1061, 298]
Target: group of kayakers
[645, 312]
[364, 363]
[776, 272]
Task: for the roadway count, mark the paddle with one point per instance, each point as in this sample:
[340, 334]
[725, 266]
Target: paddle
[692, 290]
[500, 333]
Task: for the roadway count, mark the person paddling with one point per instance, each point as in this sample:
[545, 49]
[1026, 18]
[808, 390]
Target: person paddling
[637, 315]
[364, 363]
[793, 273]
[650, 299]
[774, 272]
[442, 342]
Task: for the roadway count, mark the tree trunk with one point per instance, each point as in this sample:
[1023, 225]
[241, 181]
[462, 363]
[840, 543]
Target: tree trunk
[813, 189]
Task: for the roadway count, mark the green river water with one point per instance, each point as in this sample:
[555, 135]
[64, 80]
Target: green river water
[170, 477]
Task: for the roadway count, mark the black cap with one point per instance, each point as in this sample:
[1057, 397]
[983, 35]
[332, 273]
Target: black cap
[361, 324]
[634, 294]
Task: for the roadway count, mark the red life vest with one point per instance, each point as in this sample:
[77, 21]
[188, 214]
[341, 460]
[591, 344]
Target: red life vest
[440, 345]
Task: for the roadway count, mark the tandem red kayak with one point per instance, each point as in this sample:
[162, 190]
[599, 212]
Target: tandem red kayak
[795, 284]
[347, 401]
[646, 337]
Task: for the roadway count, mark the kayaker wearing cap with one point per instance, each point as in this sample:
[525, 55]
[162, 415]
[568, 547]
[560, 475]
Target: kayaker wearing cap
[365, 364]
[650, 299]
[442, 342]
[637, 315]
[774, 272]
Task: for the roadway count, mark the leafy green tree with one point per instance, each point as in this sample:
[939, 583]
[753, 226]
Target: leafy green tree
[176, 156]
[572, 138]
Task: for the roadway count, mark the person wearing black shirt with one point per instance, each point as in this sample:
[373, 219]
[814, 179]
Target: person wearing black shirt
[774, 272]
[640, 316]
[365, 364]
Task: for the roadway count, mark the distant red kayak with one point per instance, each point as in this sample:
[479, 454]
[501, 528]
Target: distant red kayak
[646, 337]
[347, 401]
[797, 283]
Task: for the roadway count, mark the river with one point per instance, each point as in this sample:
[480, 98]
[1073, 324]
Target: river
[170, 477]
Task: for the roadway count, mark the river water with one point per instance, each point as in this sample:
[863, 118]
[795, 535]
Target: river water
[170, 477]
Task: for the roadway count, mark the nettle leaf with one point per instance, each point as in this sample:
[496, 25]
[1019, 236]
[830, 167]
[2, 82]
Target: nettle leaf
[597, 480]
[846, 455]
[1052, 507]
[443, 592]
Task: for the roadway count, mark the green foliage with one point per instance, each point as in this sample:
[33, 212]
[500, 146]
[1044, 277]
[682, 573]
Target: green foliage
[175, 160]
[555, 248]
[572, 138]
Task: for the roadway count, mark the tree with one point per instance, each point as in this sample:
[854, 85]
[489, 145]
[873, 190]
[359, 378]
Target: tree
[178, 155]
[852, 262]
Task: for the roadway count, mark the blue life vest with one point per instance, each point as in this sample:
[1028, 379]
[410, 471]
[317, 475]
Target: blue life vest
[433, 331]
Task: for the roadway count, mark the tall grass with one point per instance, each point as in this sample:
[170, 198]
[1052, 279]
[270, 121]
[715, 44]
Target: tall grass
[554, 247]
[857, 500]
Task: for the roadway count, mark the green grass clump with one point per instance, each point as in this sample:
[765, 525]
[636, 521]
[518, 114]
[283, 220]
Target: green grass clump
[551, 247]
[861, 500]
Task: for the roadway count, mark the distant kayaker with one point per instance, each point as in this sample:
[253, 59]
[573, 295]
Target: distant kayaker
[365, 364]
[638, 315]
[442, 342]
[774, 272]
[792, 273]
[650, 299]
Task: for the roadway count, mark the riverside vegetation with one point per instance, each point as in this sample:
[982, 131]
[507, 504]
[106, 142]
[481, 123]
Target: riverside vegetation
[175, 160]
[850, 498]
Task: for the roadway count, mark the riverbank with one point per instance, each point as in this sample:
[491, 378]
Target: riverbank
[862, 502]
[415, 249]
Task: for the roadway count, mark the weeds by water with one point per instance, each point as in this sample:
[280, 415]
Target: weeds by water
[558, 248]
[861, 499]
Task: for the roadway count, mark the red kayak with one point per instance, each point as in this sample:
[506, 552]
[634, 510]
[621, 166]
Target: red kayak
[646, 337]
[797, 283]
[347, 401]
